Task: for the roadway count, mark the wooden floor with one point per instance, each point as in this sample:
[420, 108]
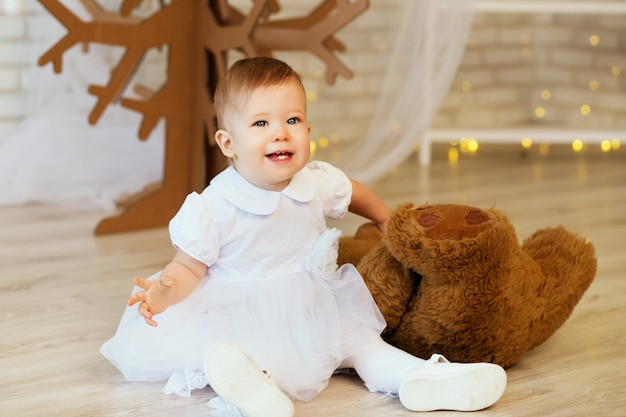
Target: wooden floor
[62, 291]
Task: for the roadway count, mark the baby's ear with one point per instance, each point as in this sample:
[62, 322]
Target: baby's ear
[222, 138]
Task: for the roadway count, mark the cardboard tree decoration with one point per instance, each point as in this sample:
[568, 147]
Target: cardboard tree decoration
[198, 35]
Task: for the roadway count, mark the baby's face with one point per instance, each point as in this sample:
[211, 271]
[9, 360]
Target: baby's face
[268, 136]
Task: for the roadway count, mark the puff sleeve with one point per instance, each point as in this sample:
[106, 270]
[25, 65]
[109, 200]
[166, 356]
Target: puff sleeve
[193, 231]
[335, 188]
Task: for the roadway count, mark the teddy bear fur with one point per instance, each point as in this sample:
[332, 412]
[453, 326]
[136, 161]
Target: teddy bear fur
[454, 279]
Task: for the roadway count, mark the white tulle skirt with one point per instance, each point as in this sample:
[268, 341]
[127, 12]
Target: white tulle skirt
[298, 327]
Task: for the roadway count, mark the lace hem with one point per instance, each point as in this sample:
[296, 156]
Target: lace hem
[182, 382]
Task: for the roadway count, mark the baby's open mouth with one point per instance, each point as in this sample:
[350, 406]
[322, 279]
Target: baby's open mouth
[279, 156]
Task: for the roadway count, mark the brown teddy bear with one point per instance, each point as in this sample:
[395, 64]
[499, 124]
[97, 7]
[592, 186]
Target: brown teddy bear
[453, 279]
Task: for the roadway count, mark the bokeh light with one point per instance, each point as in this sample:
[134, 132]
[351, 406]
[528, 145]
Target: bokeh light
[540, 112]
[585, 109]
[577, 145]
[615, 143]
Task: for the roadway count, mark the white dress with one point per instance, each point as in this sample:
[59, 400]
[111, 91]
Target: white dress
[272, 286]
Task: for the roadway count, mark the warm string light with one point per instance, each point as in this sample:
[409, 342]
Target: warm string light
[465, 145]
[616, 71]
[453, 156]
[541, 111]
[470, 145]
[324, 142]
[605, 145]
[578, 145]
[585, 109]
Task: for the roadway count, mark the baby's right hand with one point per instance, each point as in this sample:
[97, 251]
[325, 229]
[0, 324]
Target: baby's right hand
[155, 299]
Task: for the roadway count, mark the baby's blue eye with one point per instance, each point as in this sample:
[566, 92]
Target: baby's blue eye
[260, 123]
[292, 120]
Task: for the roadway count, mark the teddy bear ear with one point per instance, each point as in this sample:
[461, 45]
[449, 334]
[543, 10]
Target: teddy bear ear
[476, 216]
[429, 219]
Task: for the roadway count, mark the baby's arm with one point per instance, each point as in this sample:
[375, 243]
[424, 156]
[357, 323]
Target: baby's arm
[178, 279]
[367, 204]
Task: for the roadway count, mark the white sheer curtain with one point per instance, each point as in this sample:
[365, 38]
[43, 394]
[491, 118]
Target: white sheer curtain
[429, 43]
[56, 156]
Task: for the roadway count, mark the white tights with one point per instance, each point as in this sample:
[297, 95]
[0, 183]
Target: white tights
[380, 365]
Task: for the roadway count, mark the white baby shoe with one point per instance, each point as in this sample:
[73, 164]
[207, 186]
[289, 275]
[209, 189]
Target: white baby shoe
[442, 385]
[237, 379]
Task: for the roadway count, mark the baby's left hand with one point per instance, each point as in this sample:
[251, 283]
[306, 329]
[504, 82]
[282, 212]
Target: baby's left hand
[156, 298]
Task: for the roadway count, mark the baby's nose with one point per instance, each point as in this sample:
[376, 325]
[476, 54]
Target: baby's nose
[281, 134]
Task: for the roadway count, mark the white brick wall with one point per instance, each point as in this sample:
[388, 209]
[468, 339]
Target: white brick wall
[9, 79]
[505, 86]
[12, 27]
[15, 59]
[560, 59]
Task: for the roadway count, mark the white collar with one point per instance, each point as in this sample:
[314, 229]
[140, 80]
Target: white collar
[239, 192]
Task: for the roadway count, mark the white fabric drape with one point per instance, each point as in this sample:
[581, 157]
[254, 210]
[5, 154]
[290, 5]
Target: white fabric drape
[56, 156]
[428, 45]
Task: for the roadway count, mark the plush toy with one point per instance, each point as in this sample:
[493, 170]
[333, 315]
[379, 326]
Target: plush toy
[454, 280]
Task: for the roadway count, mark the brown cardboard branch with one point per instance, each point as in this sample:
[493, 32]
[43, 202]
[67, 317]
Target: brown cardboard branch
[143, 106]
[121, 76]
[71, 23]
[313, 33]
[152, 110]
[219, 39]
[102, 16]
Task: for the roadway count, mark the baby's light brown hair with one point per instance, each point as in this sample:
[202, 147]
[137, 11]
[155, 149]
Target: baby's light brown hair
[243, 77]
